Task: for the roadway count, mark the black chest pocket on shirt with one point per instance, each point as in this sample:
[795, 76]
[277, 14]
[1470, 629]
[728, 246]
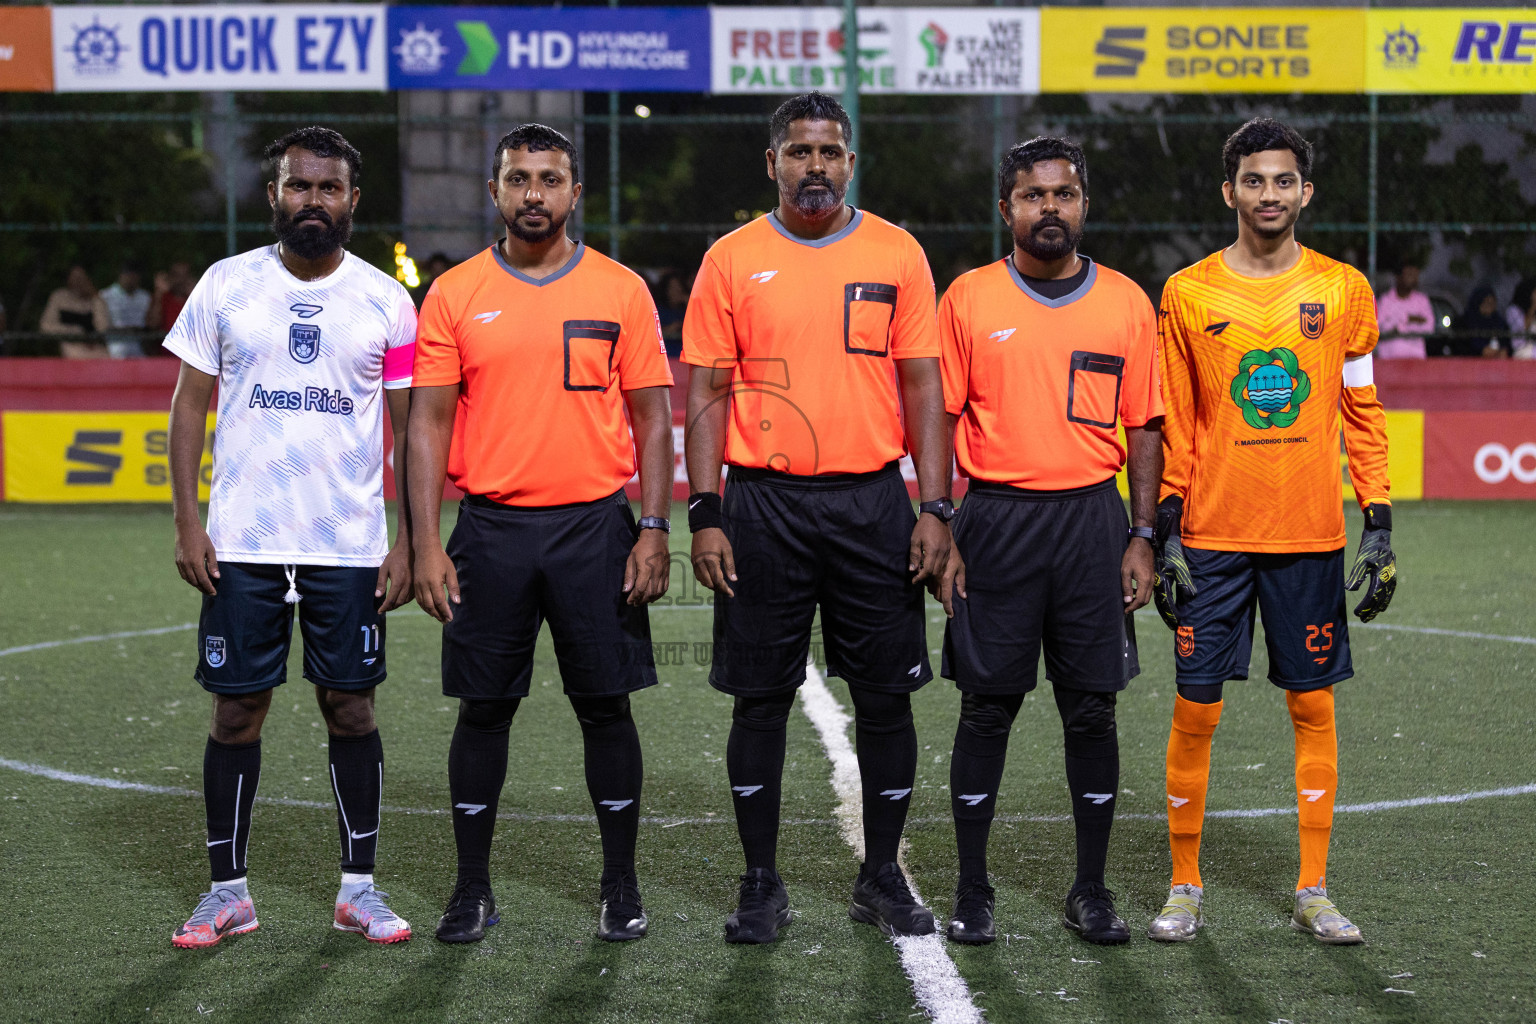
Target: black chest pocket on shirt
[867, 313]
[589, 348]
[1093, 389]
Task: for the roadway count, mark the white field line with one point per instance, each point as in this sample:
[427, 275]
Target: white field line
[44, 645]
[1444, 632]
[101, 782]
[106, 782]
[941, 992]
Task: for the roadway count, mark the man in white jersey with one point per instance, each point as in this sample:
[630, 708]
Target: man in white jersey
[299, 336]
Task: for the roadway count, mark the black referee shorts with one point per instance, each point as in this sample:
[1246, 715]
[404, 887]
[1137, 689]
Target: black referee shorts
[837, 541]
[519, 566]
[1042, 568]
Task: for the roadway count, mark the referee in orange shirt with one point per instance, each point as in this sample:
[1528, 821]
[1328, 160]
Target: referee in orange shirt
[811, 337]
[527, 358]
[1044, 353]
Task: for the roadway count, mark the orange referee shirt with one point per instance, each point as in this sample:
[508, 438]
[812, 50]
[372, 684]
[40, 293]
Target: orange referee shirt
[1039, 383]
[541, 365]
[809, 330]
[1256, 387]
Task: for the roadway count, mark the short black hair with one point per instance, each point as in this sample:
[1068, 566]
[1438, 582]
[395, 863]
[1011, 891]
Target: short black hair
[1259, 135]
[535, 138]
[812, 106]
[319, 141]
[1024, 155]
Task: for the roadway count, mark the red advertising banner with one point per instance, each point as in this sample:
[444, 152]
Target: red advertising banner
[26, 49]
[1480, 455]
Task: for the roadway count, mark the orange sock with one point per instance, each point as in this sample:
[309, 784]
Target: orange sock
[1189, 770]
[1317, 778]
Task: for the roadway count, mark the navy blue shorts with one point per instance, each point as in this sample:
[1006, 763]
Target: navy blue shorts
[519, 566]
[839, 542]
[1300, 598]
[244, 632]
[1042, 569]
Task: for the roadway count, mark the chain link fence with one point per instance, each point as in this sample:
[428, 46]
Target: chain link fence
[1447, 183]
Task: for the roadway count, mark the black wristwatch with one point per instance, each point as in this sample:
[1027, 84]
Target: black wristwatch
[655, 523]
[941, 507]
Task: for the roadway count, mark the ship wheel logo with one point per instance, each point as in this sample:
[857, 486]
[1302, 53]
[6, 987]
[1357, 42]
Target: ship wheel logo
[96, 49]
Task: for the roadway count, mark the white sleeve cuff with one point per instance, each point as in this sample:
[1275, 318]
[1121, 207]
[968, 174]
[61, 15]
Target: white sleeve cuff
[1358, 373]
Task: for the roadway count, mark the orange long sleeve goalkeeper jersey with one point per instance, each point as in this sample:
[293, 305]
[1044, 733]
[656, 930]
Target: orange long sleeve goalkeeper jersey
[1259, 376]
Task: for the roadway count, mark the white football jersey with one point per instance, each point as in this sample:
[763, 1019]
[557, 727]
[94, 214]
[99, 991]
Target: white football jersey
[298, 447]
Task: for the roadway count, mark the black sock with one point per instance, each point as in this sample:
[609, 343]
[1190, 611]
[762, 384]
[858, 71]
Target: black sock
[976, 772]
[614, 772]
[886, 742]
[1093, 774]
[477, 768]
[231, 773]
[754, 762]
[357, 779]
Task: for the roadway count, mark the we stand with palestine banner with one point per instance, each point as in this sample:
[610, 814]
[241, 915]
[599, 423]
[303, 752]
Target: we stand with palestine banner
[980, 50]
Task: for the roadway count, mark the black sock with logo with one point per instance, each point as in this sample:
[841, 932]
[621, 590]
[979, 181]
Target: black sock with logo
[1093, 773]
[754, 762]
[976, 772]
[357, 780]
[231, 773]
[886, 741]
[611, 745]
[477, 769]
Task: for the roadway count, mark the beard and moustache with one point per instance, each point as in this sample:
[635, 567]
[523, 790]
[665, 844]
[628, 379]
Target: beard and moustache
[552, 225]
[809, 201]
[1047, 251]
[311, 243]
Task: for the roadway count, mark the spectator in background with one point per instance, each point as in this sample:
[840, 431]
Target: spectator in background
[1480, 329]
[127, 305]
[1404, 315]
[1520, 316]
[437, 264]
[74, 312]
[171, 290]
[671, 295]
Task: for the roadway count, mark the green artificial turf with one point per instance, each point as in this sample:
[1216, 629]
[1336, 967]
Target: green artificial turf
[93, 880]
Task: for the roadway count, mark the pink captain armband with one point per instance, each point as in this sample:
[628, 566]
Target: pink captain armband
[398, 363]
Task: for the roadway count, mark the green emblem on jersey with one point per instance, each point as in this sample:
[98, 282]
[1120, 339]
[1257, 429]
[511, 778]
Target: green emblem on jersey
[1270, 387]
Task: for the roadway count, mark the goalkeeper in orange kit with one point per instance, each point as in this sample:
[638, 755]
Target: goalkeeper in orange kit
[1266, 356]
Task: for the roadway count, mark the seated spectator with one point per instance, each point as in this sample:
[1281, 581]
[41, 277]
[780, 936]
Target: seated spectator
[171, 290]
[127, 304]
[671, 295]
[75, 311]
[1520, 315]
[1480, 330]
[1405, 316]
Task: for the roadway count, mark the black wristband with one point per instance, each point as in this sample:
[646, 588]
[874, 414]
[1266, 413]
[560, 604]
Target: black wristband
[704, 512]
[1378, 516]
[1144, 532]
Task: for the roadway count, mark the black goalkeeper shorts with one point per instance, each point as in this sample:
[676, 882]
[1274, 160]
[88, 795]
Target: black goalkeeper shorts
[519, 567]
[1301, 600]
[839, 542]
[1042, 569]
